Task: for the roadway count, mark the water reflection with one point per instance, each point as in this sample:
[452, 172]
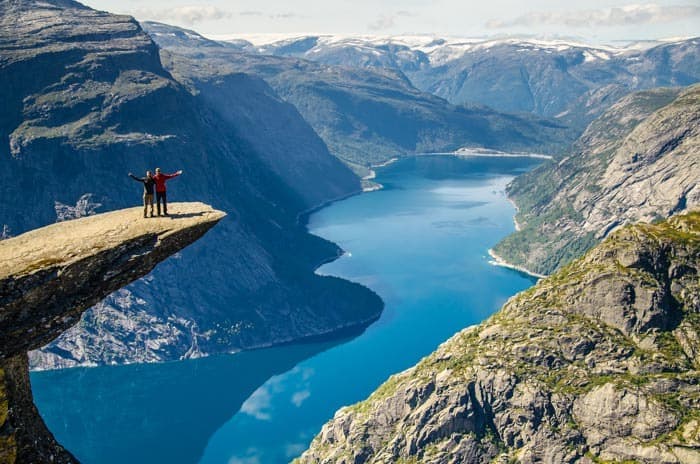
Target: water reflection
[105, 415]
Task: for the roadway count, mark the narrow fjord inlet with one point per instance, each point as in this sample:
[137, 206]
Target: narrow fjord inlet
[421, 243]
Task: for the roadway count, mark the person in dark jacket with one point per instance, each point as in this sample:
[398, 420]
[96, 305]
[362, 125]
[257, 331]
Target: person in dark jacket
[160, 179]
[148, 188]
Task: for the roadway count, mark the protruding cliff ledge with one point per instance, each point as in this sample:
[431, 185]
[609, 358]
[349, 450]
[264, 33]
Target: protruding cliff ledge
[598, 363]
[49, 276]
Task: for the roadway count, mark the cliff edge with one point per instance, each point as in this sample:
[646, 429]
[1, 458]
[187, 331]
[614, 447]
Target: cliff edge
[600, 362]
[49, 276]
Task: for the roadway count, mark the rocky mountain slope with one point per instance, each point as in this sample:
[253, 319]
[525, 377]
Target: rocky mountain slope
[640, 161]
[49, 276]
[573, 82]
[85, 101]
[599, 362]
[364, 115]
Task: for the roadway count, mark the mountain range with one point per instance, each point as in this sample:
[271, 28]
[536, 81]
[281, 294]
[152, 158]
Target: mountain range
[365, 115]
[596, 363]
[569, 81]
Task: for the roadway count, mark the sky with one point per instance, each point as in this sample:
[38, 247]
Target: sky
[596, 21]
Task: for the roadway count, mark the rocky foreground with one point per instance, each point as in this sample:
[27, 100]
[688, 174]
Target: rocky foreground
[49, 276]
[598, 363]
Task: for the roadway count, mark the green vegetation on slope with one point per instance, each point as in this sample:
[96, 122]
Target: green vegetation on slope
[637, 162]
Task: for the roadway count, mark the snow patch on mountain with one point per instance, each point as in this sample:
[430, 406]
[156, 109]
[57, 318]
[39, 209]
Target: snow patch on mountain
[432, 43]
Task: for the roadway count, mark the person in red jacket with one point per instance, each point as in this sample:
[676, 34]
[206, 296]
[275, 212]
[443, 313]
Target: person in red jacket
[160, 179]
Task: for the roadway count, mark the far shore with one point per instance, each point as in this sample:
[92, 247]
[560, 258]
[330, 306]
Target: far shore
[488, 153]
[515, 218]
[459, 153]
[386, 163]
[498, 261]
[372, 186]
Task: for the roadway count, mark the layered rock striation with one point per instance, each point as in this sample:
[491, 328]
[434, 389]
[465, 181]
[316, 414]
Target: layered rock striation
[597, 363]
[49, 276]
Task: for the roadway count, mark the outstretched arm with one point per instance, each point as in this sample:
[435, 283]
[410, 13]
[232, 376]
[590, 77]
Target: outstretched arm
[140, 179]
[170, 176]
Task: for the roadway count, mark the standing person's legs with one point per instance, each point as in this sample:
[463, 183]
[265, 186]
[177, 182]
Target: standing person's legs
[147, 201]
[165, 203]
[159, 196]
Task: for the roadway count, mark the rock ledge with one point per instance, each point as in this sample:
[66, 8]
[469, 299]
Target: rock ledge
[49, 276]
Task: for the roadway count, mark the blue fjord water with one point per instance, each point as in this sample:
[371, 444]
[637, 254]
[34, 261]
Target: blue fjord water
[421, 243]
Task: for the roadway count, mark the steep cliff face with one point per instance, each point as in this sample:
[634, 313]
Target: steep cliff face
[49, 276]
[640, 161]
[85, 101]
[597, 363]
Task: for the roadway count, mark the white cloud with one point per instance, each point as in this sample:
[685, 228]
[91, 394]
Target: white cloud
[260, 403]
[287, 15]
[188, 14]
[260, 14]
[633, 14]
[307, 373]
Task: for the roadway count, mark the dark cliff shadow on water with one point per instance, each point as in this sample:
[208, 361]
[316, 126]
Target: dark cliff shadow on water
[176, 400]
